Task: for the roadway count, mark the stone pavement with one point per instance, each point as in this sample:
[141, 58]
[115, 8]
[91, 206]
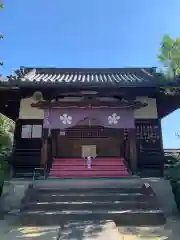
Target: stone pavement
[90, 230]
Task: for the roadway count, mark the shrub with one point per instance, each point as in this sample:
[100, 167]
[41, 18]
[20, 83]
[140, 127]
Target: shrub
[4, 169]
[173, 174]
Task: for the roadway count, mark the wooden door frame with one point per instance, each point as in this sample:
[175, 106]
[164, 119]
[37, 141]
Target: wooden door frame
[129, 146]
[132, 149]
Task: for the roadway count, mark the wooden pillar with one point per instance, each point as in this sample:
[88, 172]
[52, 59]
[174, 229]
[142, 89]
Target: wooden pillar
[133, 153]
[54, 143]
[44, 148]
[160, 136]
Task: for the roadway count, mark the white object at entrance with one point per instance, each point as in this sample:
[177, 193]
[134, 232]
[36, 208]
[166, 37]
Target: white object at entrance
[88, 150]
[89, 160]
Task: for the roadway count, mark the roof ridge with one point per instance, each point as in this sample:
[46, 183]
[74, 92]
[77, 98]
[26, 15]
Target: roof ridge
[88, 69]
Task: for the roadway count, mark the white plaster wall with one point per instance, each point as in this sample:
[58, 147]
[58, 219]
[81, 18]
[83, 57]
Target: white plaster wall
[150, 111]
[28, 112]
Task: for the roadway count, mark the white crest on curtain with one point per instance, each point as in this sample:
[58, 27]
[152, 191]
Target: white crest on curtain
[66, 119]
[113, 119]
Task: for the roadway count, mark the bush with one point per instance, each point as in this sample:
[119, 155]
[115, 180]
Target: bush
[6, 140]
[4, 169]
[173, 174]
[176, 190]
[170, 160]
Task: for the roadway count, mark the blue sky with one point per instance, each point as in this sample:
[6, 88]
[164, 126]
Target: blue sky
[89, 33]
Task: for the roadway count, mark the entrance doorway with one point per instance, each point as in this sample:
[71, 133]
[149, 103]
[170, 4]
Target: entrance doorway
[102, 142]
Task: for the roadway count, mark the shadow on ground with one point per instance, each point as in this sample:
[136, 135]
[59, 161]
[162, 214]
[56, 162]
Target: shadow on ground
[170, 231]
[69, 231]
[105, 230]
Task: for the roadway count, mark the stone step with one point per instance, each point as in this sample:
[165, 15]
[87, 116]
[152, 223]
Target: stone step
[84, 164]
[87, 173]
[91, 190]
[86, 183]
[128, 217]
[96, 205]
[80, 161]
[91, 197]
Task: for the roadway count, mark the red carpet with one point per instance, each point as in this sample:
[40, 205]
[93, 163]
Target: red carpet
[77, 167]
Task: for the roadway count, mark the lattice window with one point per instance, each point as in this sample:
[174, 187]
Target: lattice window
[92, 132]
[31, 131]
[147, 132]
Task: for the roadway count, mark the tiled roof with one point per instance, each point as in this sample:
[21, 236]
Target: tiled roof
[89, 77]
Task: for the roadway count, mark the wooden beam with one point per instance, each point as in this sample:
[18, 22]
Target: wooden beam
[89, 103]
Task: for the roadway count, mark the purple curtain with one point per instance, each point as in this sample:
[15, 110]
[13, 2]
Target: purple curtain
[111, 118]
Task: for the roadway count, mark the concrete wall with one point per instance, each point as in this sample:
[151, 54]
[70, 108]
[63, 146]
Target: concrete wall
[15, 190]
[28, 112]
[149, 112]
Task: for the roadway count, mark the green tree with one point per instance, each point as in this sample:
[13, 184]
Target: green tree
[169, 56]
[6, 133]
[6, 143]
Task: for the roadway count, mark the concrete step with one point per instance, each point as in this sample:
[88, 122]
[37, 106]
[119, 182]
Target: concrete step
[96, 205]
[86, 183]
[71, 161]
[91, 197]
[87, 173]
[84, 163]
[91, 190]
[135, 218]
[50, 203]
[85, 168]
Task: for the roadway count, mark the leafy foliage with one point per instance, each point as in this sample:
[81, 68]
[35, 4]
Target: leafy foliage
[169, 56]
[173, 174]
[6, 140]
[6, 133]
[4, 168]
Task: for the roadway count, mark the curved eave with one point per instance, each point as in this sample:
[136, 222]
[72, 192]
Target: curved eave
[133, 88]
[20, 84]
[7, 85]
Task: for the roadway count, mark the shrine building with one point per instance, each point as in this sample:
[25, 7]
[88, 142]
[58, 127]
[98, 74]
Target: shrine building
[62, 116]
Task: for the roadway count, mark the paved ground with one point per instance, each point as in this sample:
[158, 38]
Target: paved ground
[170, 231]
[89, 231]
